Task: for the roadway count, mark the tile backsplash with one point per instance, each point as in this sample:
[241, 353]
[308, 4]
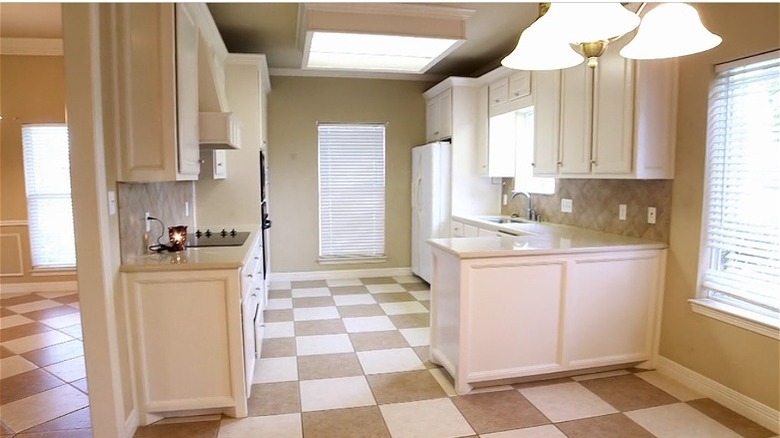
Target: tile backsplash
[596, 203]
[165, 201]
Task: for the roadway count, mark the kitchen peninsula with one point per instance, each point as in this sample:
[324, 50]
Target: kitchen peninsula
[550, 300]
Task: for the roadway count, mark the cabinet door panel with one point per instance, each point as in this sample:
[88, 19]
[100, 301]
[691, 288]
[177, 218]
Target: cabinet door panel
[547, 98]
[432, 120]
[576, 119]
[498, 92]
[519, 84]
[187, 91]
[445, 114]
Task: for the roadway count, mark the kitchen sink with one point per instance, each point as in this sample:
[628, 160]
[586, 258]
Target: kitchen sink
[505, 219]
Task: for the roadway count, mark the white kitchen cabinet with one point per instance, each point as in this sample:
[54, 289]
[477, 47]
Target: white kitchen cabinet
[498, 92]
[470, 230]
[219, 130]
[213, 164]
[438, 117]
[519, 84]
[457, 229]
[547, 121]
[156, 114]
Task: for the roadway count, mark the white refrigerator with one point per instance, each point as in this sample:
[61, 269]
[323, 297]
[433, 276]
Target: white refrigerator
[431, 173]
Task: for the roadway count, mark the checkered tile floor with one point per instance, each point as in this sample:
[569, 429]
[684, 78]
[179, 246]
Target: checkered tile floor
[43, 386]
[348, 358]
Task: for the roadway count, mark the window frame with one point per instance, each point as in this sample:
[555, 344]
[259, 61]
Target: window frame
[703, 304]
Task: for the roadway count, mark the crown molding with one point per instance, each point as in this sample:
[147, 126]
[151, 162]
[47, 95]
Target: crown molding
[397, 9]
[299, 72]
[31, 46]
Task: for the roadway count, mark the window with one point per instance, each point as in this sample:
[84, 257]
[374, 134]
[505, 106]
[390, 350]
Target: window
[49, 206]
[740, 259]
[525, 181]
[352, 192]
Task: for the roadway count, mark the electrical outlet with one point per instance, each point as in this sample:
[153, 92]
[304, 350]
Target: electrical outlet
[650, 215]
[622, 212]
[186, 209]
[566, 205]
[111, 202]
[147, 224]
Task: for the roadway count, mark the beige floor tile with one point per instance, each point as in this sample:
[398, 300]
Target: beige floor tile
[361, 310]
[444, 380]
[368, 324]
[679, 421]
[669, 385]
[411, 320]
[340, 282]
[63, 321]
[274, 399]
[378, 280]
[566, 401]
[194, 429]
[605, 426]
[21, 331]
[69, 370]
[311, 292]
[378, 340]
[321, 327]
[362, 422]
[42, 407]
[725, 416]
[55, 353]
[628, 392]
[421, 295]
[498, 411]
[280, 293]
[352, 300]
[34, 306]
[409, 279]
[308, 284]
[438, 418]
[422, 286]
[315, 313]
[548, 431]
[52, 295]
[600, 375]
[348, 290]
[280, 304]
[279, 330]
[280, 285]
[424, 353]
[15, 299]
[278, 315]
[13, 365]
[299, 303]
[328, 366]
[385, 288]
[13, 321]
[278, 347]
[323, 344]
[276, 369]
[417, 337]
[548, 382]
[276, 426]
[494, 388]
[26, 384]
[426, 304]
[394, 297]
[403, 308]
[405, 387]
[35, 342]
[389, 361]
[342, 392]
[75, 420]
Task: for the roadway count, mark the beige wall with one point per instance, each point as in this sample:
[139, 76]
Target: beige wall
[295, 107]
[739, 359]
[32, 90]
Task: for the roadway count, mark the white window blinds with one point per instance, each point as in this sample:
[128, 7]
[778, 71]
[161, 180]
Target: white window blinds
[49, 206]
[352, 191]
[741, 257]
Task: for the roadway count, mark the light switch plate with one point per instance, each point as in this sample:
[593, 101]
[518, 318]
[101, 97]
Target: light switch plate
[111, 202]
[650, 215]
[504, 199]
[622, 212]
[566, 205]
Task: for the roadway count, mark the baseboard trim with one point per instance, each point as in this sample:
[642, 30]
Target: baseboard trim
[44, 286]
[340, 274]
[737, 402]
[131, 424]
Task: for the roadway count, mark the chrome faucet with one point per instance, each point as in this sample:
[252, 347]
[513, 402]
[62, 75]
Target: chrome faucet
[532, 215]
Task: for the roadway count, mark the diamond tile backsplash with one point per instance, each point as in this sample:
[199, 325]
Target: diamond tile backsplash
[165, 201]
[596, 203]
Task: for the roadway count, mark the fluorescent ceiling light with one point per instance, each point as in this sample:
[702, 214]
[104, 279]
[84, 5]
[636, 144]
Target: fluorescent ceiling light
[369, 52]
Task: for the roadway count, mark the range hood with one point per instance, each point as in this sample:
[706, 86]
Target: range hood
[219, 130]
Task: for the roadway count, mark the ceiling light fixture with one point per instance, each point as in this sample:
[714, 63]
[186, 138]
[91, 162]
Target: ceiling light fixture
[669, 30]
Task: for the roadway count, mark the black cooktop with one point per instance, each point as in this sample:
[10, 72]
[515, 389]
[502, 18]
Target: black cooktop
[216, 238]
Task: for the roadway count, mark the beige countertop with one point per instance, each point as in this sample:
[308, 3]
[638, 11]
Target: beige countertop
[537, 239]
[222, 257]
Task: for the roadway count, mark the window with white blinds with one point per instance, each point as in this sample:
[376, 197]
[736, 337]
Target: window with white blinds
[741, 246]
[49, 206]
[352, 191]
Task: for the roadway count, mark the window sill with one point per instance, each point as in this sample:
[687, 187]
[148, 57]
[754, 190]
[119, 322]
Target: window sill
[51, 272]
[763, 325]
[351, 261]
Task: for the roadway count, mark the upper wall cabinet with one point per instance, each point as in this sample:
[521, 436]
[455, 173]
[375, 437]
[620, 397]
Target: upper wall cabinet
[615, 121]
[438, 117]
[154, 66]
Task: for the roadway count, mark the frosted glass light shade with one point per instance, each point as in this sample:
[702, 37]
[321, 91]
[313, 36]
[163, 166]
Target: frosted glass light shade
[670, 30]
[541, 48]
[588, 22]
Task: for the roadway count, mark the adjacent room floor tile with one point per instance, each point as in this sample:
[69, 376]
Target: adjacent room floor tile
[378, 280]
[42, 407]
[669, 385]
[81, 385]
[403, 308]
[409, 279]
[499, 411]
[605, 426]
[278, 347]
[69, 370]
[390, 361]
[280, 293]
[730, 419]
[679, 421]
[280, 304]
[315, 313]
[344, 282]
[75, 420]
[438, 418]
[421, 295]
[327, 366]
[368, 324]
[13, 321]
[592, 376]
[548, 431]
[74, 330]
[628, 392]
[36, 342]
[278, 315]
[280, 285]
[313, 302]
[23, 330]
[417, 337]
[405, 387]
[351, 300]
[362, 422]
[394, 297]
[361, 310]
[13, 365]
[348, 290]
[323, 344]
[384, 288]
[59, 322]
[274, 399]
[53, 312]
[342, 392]
[19, 299]
[319, 327]
[26, 384]
[535, 383]
[444, 380]
[308, 284]
[311, 292]
[279, 330]
[378, 340]
[276, 426]
[277, 369]
[33, 306]
[566, 401]
[411, 320]
[424, 353]
[195, 429]
[56, 353]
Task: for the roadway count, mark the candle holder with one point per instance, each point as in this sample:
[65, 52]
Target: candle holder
[178, 237]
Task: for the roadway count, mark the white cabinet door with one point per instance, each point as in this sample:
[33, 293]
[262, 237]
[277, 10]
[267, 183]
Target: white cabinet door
[576, 120]
[445, 113]
[498, 92]
[457, 229]
[432, 119]
[470, 230]
[519, 84]
[547, 119]
[187, 91]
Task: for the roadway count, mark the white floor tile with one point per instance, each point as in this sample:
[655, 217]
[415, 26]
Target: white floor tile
[75, 305]
[279, 330]
[42, 407]
[276, 369]
[343, 392]
[34, 342]
[600, 375]
[417, 337]
[438, 418]
[353, 300]
[546, 431]
[63, 321]
[13, 365]
[311, 292]
[277, 426]
[341, 282]
[679, 421]
[566, 401]
[280, 285]
[385, 288]
[403, 308]
[73, 330]
[323, 344]
[69, 370]
[316, 313]
[33, 306]
[52, 295]
[389, 361]
[280, 303]
[13, 321]
[421, 295]
[408, 279]
[669, 385]
[368, 324]
[443, 379]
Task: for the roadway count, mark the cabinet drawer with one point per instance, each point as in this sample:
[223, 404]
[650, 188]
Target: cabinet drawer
[498, 92]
